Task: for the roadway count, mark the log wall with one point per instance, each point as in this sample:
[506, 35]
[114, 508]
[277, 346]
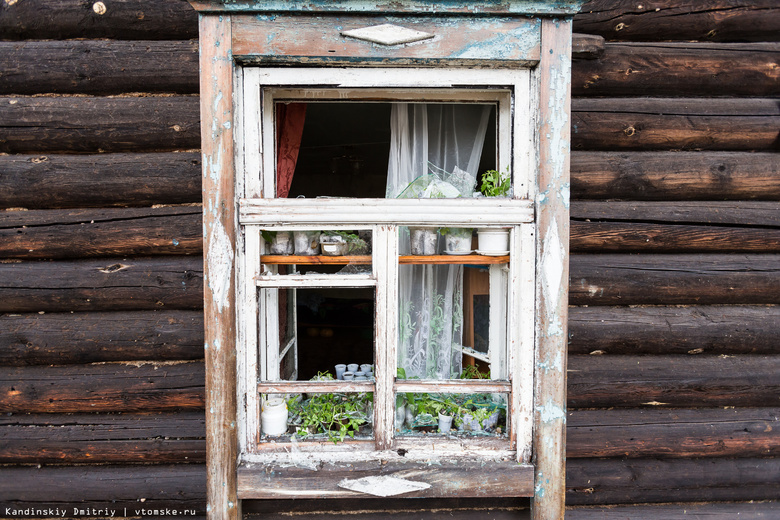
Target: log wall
[674, 368]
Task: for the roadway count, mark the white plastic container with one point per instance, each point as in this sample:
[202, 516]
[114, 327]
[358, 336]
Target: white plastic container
[340, 369]
[273, 418]
[493, 242]
[445, 423]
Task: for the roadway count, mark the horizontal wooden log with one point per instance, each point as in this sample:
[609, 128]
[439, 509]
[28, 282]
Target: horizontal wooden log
[666, 279]
[111, 387]
[446, 479]
[715, 511]
[125, 20]
[82, 181]
[675, 124]
[99, 67]
[675, 175]
[679, 433]
[102, 438]
[68, 338]
[682, 227]
[609, 481]
[680, 69]
[97, 285]
[673, 381]
[78, 233]
[179, 486]
[716, 329]
[92, 124]
[711, 20]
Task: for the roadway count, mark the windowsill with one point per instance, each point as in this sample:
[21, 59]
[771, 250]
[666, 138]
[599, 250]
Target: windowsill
[450, 477]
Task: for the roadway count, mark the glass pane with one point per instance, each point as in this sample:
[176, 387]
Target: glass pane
[335, 417]
[451, 414]
[335, 327]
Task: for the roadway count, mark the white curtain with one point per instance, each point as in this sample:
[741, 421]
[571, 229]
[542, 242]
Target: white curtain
[435, 151]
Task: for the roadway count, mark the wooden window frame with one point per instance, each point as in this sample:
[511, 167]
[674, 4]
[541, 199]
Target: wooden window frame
[513, 93]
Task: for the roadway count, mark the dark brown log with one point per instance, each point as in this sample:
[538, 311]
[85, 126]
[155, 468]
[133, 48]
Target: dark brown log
[645, 481]
[682, 227]
[112, 387]
[91, 124]
[179, 486]
[586, 46]
[674, 279]
[101, 438]
[757, 214]
[675, 175]
[78, 233]
[82, 181]
[680, 433]
[99, 67]
[95, 285]
[673, 381]
[710, 20]
[717, 329]
[675, 124]
[122, 20]
[680, 69]
[716, 511]
[68, 338]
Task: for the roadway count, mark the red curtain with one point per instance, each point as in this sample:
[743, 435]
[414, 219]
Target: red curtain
[289, 129]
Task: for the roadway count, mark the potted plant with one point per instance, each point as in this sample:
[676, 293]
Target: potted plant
[341, 243]
[494, 241]
[457, 241]
[280, 242]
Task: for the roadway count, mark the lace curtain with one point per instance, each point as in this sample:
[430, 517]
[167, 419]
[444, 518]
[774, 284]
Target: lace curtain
[435, 151]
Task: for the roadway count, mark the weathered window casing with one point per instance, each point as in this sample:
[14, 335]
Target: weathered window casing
[516, 55]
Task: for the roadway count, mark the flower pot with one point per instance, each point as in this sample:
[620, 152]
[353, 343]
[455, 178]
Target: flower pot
[340, 369]
[282, 244]
[423, 241]
[333, 245]
[353, 367]
[273, 418]
[445, 423]
[493, 242]
[457, 242]
[307, 243]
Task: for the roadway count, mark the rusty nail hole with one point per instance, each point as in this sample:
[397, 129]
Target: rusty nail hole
[620, 26]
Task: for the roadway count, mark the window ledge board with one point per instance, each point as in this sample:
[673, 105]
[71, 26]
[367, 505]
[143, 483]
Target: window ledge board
[454, 478]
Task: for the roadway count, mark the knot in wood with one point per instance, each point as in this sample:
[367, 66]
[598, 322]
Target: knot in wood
[99, 8]
[629, 131]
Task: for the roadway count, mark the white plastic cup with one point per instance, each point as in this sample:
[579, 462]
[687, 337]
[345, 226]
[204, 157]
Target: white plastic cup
[366, 368]
[273, 418]
[445, 423]
[353, 367]
[340, 369]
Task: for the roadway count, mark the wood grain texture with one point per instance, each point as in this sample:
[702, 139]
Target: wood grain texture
[675, 175]
[122, 20]
[92, 124]
[100, 180]
[682, 227]
[667, 279]
[673, 381]
[711, 20]
[80, 233]
[700, 329]
[714, 511]
[99, 67]
[447, 479]
[110, 284]
[612, 481]
[111, 387]
[119, 486]
[678, 69]
[170, 437]
[675, 124]
[97, 337]
[678, 433]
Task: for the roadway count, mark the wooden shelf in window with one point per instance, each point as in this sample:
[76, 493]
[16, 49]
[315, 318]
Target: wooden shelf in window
[366, 259]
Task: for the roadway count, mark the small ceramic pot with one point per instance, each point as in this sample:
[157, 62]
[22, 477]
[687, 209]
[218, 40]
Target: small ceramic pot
[423, 241]
[348, 376]
[366, 368]
[353, 367]
[445, 423]
[273, 418]
[282, 243]
[493, 241]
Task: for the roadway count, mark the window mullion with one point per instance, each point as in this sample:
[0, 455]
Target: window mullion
[385, 251]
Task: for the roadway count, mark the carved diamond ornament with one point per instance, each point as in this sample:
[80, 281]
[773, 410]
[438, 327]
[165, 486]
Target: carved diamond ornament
[387, 34]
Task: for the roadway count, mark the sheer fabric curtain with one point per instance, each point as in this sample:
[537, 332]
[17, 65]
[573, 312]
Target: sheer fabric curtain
[434, 146]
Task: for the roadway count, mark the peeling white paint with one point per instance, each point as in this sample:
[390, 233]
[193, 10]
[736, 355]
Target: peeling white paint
[553, 260]
[556, 364]
[220, 263]
[383, 486]
[550, 412]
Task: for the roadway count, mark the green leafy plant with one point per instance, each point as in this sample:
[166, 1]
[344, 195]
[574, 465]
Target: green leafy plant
[472, 372]
[355, 244]
[495, 183]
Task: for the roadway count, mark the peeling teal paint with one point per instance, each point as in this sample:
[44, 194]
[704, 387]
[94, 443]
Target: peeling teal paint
[176, 243]
[556, 364]
[551, 412]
